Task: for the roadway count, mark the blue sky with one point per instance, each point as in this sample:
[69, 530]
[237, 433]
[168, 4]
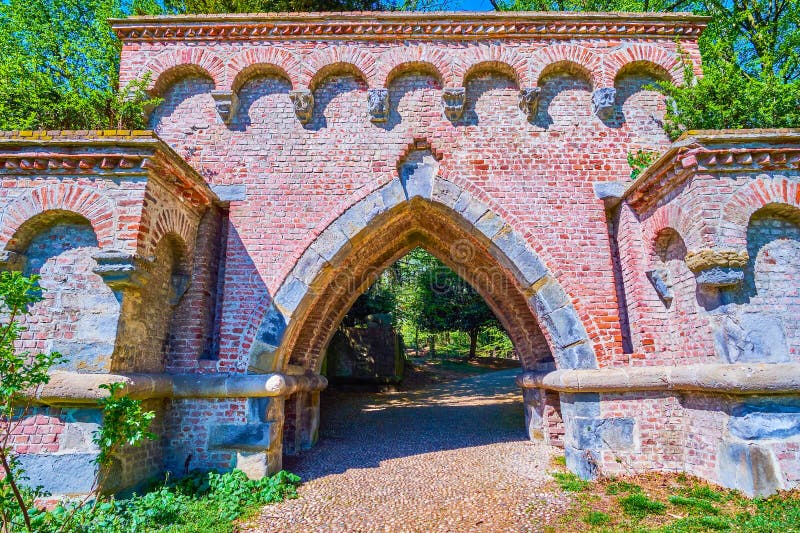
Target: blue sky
[472, 5]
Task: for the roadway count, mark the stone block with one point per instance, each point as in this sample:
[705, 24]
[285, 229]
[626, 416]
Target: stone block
[548, 297]
[230, 193]
[253, 437]
[489, 224]
[750, 468]
[766, 420]
[751, 338]
[331, 242]
[60, 474]
[393, 194]
[565, 327]
[720, 277]
[445, 192]
[610, 191]
[470, 207]
[583, 463]
[290, 295]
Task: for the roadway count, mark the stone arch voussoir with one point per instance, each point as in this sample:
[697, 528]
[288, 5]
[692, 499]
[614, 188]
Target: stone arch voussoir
[547, 303]
[88, 202]
[566, 54]
[648, 55]
[749, 198]
[170, 66]
[255, 61]
[320, 63]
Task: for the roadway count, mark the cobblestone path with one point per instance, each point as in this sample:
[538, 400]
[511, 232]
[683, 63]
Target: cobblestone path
[452, 457]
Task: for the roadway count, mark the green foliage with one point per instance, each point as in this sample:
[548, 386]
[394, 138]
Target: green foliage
[124, 422]
[20, 373]
[751, 61]
[640, 161]
[638, 505]
[263, 6]
[200, 502]
[570, 482]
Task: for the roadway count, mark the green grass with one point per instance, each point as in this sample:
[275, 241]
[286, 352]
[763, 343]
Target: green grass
[638, 505]
[696, 505]
[570, 482]
[596, 518]
[618, 487]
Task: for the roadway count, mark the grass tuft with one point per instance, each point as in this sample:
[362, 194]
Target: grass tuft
[596, 518]
[694, 504]
[570, 482]
[639, 505]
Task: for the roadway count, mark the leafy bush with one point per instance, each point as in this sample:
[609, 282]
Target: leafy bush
[201, 502]
[640, 161]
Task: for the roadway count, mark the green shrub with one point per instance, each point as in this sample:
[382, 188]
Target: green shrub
[639, 505]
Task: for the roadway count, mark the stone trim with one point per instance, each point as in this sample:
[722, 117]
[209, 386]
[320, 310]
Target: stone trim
[782, 378]
[708, 258]
[717, 151]
[380, 25]
[116, 153]
[75, 388]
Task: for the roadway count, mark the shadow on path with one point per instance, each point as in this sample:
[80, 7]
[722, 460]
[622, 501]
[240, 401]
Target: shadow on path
[359, 430]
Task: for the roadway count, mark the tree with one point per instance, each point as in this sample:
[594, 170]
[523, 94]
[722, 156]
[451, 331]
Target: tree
[751, 61]
[447, 303]
[21, 374]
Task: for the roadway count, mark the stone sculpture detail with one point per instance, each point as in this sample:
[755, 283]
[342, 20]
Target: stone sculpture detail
[303, 100]
[378, 100]
[529, 101]
[453, 100]
[603, 102]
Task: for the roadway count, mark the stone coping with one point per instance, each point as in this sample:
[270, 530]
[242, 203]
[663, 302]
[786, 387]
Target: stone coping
[715, 151]
[113, 152]
[783, 378]
[383, 24]
[70, 388]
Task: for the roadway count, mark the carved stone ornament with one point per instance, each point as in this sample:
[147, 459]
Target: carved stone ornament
[453, 101]
[378, 102]
[603, 102]
[227, 103]
[303, 101]
[529, 100]
[121, 270]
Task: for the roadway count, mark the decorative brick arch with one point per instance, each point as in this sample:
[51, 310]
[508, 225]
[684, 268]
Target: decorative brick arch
[451, 224]
[402, 59]
[258, 61]
[736, 213]
[168, 67]
[167, 222]
[553, 57]
[646, 55]
[325, 61]
[495, 58]
[87, 202]
[671, 216]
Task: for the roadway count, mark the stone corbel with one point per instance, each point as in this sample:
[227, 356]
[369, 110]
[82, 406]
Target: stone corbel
[121, 270]
[11, 261]
[718, 268]
[303, 100]
[529, 101]
[453, 99]
[378, 102]
[603, 102]
[227, 103]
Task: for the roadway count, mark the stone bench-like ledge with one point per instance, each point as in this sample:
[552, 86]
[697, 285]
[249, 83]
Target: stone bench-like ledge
[782, 378]
[67, 388]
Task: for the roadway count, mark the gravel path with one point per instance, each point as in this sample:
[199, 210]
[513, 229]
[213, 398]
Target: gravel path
[451, 458]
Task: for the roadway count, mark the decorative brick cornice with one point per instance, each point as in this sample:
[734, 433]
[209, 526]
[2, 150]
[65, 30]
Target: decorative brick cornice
[114, 153]
[382, 25]
[716, 151]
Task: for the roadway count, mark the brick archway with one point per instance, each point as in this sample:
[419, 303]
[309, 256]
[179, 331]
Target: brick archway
[452, 225]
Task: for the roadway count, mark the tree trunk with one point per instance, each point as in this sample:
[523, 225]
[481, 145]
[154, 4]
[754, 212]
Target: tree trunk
[416, 340]
[432, 344]
[473, 343]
